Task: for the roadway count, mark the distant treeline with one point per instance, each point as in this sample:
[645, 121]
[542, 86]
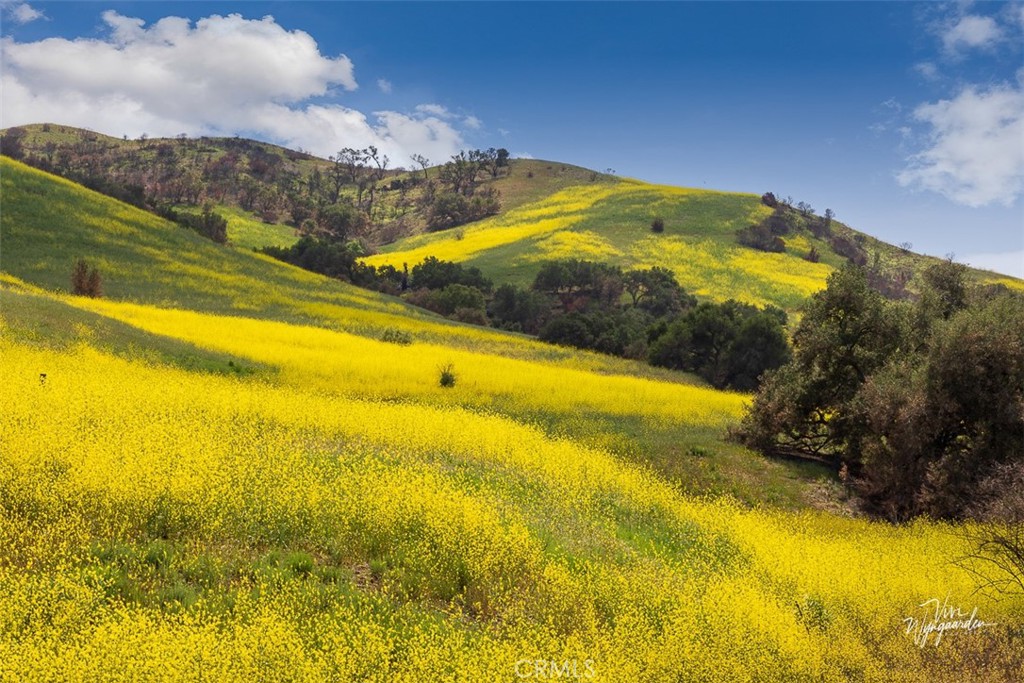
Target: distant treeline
[640, 314]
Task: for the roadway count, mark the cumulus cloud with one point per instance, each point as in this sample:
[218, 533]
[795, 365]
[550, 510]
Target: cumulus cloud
[973, 153]
[971, 31]
[221, 75]
[22, 12]
[385, 86]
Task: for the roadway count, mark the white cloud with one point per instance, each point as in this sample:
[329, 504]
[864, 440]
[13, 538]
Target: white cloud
[971, 31]
[974, 154]
[892, 104]
[472, 122]
[927, 70]
[222, 75]
[1007, 262]
[434, 110]
[385, 86]
[22, 12]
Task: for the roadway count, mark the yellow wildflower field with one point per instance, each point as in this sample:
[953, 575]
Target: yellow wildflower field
[312, 524]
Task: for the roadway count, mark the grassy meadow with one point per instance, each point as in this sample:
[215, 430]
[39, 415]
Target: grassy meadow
[611, 222]
[231, 469]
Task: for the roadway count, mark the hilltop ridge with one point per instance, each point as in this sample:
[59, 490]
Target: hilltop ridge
[718, 245]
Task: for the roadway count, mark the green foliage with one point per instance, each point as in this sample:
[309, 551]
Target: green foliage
[729, 344]
[923, 403]
[520, 310]
[336, 222]
[656, 291]
[447, 376]
[433, 273]
[615, 332]
[658, 225]
[330, 258]
[760, 237]
[451, 209]
[396, 336]
[577, 283]
[457, 296]
[946, 289]
[209, 224]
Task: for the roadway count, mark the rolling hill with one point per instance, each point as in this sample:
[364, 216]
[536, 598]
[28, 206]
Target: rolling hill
[147, 261]
[547, 211]
[611, 223]
[262, 189]
[228, 468]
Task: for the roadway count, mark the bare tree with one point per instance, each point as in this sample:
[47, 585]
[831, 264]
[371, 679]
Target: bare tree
[996, 557]
[422, 162]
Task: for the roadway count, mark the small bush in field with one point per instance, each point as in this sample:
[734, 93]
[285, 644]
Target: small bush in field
[448, 377]
[86, 281]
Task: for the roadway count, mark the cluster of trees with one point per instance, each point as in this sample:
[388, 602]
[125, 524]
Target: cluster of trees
[888, 276]
[642, 314]
[729, 344]
[455, 291]
[921, 403]
[785, 219]
[341, 260]
[458, 200]
[354, 194]
[209, 224]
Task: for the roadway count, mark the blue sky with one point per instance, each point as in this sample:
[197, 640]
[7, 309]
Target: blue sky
[906, 119]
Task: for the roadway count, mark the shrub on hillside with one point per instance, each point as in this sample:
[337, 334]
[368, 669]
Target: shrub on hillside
[86, 281]
[519, 310]
[849, 249]
[209, 224]
[760, 237]
[451, 209]
[447, 376]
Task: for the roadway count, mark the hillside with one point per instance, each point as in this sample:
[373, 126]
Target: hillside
[264, 190]
[612, 224]
[545, 210]
[48, 223]
[231, 469]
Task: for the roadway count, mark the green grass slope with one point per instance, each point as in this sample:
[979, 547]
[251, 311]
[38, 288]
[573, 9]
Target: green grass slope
[48, 223]
[698, 243]
[270, 171]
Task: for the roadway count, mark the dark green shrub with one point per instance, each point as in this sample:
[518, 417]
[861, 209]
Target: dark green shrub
[447, 376]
